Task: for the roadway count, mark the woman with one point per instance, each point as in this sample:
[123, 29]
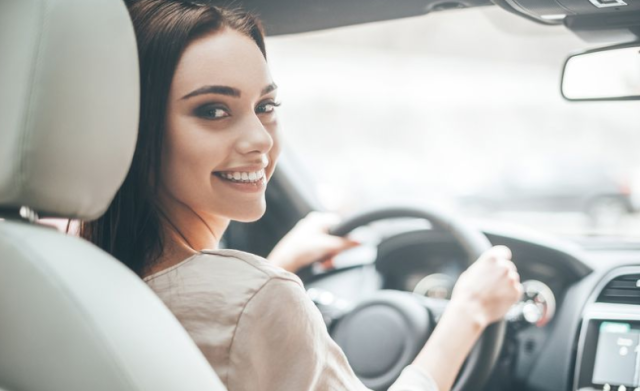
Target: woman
[208, 145]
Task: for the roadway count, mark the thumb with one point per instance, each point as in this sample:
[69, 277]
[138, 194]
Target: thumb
[337, 244]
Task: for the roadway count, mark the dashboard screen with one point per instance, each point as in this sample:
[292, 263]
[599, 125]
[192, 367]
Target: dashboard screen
[618, 355]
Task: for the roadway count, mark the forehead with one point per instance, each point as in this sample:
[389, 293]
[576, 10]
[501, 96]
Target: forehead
[225, 57]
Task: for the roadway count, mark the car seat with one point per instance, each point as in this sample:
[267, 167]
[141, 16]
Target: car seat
[72, 318]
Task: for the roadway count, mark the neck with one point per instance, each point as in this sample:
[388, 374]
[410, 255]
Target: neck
[186, 233]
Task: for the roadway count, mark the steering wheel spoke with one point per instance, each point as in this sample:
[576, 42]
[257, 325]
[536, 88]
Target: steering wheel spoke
[436, 307]
[330, 306]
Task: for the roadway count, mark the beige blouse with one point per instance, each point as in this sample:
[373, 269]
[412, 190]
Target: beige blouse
[255, 324]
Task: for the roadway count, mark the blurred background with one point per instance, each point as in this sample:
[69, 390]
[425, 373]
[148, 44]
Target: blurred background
[471, 120]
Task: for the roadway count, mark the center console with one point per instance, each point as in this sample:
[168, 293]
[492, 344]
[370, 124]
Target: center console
[609, 346]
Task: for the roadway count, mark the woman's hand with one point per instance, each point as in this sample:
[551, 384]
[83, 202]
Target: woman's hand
[309, 241]
[483, 294]
[489, 287]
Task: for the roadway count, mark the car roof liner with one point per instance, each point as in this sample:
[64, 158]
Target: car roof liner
[298, 16]
[599, 21]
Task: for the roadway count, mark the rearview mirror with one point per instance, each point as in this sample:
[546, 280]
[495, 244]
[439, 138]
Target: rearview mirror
[603, 74]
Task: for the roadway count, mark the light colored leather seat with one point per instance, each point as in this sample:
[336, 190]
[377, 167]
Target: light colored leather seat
[72, 318]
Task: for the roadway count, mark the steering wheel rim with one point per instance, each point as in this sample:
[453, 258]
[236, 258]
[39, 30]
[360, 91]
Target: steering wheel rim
[484, 355]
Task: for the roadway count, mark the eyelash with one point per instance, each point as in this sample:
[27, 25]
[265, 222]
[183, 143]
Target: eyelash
[208, 111]
[269, 103]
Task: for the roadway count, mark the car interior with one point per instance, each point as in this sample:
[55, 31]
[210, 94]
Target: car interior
[73, 318]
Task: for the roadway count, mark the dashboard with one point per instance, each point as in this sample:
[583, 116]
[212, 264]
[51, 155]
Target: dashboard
[589, 340]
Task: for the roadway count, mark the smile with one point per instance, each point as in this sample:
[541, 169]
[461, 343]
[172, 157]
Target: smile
[242, 177]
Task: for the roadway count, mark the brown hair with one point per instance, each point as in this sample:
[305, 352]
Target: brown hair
[130, 228]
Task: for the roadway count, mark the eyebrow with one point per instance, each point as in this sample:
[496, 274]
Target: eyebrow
[225, 90]
[268, 89]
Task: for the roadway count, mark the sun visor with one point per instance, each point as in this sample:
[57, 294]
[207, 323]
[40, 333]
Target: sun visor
[600, 21]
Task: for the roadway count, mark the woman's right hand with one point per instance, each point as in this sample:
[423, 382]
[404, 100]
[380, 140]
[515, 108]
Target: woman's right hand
[489, 287]
[483, 294]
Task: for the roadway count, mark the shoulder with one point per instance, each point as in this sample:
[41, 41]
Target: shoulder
[250, 262]
[280, 294]
[279, 318]
[281, 311]
[281, 343]
[228, 266]
[219, 283]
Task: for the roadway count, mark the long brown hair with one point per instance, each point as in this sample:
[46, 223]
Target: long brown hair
[130, 228]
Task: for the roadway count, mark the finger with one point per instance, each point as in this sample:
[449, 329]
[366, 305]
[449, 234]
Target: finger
[328, 263]
[519, 291]
[345, 244]
[323, 216]
[508, 264]
[496, 253]
[322, 221]
[329, 246]
[350, 243]
[503, 267]
[502, 252]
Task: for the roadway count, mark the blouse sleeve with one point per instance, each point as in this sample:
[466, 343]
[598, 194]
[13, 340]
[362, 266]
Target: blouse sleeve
[281, 343]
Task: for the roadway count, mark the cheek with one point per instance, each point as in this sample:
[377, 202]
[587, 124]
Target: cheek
[274, 153]
[274, 131]
[190, 154]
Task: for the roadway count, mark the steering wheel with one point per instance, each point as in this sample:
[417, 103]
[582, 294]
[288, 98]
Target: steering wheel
[385, 332]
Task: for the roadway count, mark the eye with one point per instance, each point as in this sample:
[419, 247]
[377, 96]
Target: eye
[267, 107]
[212, 112]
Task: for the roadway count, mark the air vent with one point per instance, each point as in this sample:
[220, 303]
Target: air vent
[622, 290]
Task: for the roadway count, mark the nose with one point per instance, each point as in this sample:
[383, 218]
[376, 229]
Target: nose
[254, 137]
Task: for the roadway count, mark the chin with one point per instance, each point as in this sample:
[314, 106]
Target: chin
[249, 216]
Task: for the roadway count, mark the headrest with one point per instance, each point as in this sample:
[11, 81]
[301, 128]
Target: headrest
[69, 100]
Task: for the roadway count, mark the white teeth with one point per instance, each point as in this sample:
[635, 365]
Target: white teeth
[247, 177]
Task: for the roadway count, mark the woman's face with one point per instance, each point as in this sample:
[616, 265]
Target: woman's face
[221, 143]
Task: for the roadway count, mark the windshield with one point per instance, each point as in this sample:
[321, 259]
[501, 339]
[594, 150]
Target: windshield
[460, 110]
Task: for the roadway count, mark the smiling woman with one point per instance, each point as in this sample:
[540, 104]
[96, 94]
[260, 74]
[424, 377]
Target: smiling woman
[250, 178]
[176, 83]
[207, 147]
[221, 141]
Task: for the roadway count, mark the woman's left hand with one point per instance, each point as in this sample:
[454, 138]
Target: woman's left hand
[308, 242]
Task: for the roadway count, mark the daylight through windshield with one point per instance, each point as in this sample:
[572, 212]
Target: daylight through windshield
[465, 114]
